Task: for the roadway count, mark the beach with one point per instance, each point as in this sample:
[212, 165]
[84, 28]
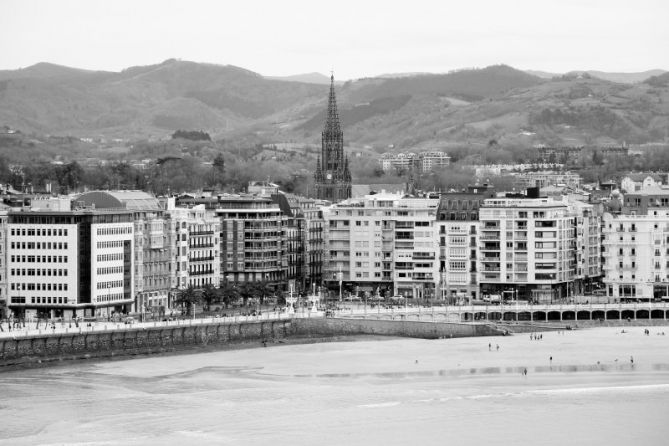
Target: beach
[601, 386]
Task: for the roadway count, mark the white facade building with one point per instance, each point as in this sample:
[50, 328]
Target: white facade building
[384, 244]
[198, 261]
[527, 249]
[636, 256]
[66, 264]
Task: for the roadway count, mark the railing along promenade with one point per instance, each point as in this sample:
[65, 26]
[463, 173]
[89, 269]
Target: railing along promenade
[459, 313]
[608, 311]
[66, 327]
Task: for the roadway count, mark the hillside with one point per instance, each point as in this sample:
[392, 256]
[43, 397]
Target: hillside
[466, 107]
[623, 78]
[142, 101]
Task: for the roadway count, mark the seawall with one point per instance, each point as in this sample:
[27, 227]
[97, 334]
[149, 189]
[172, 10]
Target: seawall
[402, 328]
[52, 348]
[43, 348]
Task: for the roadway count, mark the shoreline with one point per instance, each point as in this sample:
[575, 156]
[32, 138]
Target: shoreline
[41, 363]
[513, 328]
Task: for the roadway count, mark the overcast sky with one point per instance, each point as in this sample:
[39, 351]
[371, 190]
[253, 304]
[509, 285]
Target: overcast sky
[355, 38]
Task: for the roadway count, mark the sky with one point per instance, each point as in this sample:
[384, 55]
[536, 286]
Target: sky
[356, 39]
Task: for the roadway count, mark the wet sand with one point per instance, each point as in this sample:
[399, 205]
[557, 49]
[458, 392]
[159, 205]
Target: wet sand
[391, 392]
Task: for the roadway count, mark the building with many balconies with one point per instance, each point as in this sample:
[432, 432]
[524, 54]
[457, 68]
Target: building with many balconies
[198, 261]
[527, 249]
[155, 248]
[384, 244]
[458, 227]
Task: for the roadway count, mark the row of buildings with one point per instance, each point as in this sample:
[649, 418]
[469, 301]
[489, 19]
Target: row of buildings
[127, 251]
[464, 246]
[123, 251]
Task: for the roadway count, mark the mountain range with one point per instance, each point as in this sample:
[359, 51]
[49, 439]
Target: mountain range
[406, 111]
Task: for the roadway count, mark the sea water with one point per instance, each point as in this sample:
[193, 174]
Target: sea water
[600, 387]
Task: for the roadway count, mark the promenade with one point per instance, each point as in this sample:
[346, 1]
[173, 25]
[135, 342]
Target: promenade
[66, 327]
[565, 313]
[657, 311]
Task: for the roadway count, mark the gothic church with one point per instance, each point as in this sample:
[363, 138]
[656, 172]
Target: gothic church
[332, 177]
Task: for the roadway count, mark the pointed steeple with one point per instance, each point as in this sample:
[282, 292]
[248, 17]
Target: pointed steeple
[332, 125]
[332, 175]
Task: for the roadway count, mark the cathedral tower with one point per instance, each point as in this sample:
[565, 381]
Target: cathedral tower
[332, 177]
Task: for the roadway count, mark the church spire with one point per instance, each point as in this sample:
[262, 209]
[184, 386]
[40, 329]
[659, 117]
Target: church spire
[332, 176]
[332, 125]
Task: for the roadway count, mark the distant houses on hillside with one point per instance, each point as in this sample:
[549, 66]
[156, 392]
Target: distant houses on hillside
[422, 162]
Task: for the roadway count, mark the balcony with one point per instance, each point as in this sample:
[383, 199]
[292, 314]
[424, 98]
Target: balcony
[201, 259]
[202, 245]
[201, 273]
[194, 233]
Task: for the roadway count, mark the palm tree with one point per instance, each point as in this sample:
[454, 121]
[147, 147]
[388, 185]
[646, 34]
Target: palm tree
[229, 293]
[209, 295]
[189, 297]
[262, 290]
[247, 290]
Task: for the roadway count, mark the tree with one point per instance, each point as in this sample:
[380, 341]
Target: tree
[247, 290]
[188, 297]
[262, 290]
[229, 293]
[219, 164]
[210, 295]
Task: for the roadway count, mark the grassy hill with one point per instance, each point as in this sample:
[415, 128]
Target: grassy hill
[467, 107]
[142, 101]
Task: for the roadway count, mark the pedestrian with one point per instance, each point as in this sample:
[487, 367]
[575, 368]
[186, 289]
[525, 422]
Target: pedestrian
[497, 347]
[550, 360]
[525, 371]
[489, 346]
[631, 360]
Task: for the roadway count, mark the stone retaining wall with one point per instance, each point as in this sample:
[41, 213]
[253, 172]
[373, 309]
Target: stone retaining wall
[403, 328]
[108, 343]
[45, 348]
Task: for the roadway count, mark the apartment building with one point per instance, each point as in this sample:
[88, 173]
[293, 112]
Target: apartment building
[423, 162]
[433, 160]
[416, 249]
[309, 218]
[543, 179]
[3, 261]
[252, 239]
[382, 244]
[458, 227]
[197, 245]
[155, 249]
[527, 249]
[70, 263]
[636, 246]
[636, 256]
[588, 237]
